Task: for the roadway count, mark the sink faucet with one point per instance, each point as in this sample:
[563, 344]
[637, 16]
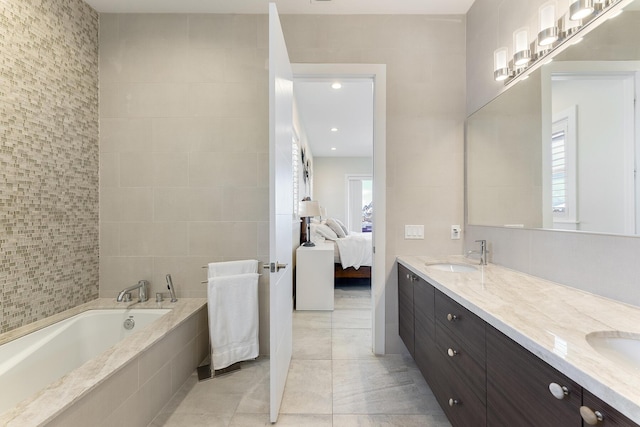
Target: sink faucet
[483, 251]
[142, 287]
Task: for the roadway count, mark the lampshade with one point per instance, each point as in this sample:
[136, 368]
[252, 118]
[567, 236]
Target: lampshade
[500, 64]
[548, 30]
[308, 208]
[580, 9]
[522, 54]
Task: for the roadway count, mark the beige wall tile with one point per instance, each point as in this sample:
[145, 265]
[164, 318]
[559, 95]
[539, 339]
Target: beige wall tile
[170, 170]
[126, 204]
[136, 169]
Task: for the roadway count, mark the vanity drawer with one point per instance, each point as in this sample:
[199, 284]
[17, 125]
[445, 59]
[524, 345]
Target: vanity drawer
[457, 358]
[465, 325]
[518, 391]
[459, 402]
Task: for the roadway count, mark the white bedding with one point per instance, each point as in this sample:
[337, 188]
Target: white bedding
[355, 250]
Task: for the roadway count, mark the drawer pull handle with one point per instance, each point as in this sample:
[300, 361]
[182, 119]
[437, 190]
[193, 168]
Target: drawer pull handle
[451, 352]
[453, 402]
[558, 391]
[452, 317]
[590, 416]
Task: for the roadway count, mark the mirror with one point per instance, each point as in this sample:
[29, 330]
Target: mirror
[558, 150]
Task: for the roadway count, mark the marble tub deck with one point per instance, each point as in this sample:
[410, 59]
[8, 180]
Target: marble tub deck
[334, 380]
[548, 319]
[71, 388]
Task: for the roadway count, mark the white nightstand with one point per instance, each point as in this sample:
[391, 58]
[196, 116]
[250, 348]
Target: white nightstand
[314, 277]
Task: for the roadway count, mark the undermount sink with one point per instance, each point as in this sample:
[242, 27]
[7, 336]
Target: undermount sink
[619, 347]
[453, 268]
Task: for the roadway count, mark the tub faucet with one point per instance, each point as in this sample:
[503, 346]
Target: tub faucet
[172, 291]
[142, 286]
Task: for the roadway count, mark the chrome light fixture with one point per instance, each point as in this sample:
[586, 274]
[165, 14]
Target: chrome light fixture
[569, 26]
[500, 64]
[581, 9]
[522, 55]
[548, 30]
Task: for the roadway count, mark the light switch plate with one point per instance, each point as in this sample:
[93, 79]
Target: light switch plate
[414, 232]
[456, 230]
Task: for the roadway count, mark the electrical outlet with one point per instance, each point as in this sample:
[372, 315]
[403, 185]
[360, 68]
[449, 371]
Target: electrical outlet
[414, 232]
[456, 230]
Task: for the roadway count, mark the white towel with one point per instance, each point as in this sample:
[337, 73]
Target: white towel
[233, 318]
[230, 268]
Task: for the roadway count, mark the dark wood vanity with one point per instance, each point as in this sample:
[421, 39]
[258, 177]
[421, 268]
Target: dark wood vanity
[481, 377]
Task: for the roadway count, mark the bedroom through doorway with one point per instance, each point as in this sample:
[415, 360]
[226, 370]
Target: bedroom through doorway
[346, 153]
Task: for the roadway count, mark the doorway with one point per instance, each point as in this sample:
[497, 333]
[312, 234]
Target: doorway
[377, 73]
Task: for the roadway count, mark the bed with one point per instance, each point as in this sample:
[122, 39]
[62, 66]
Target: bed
[353, 252]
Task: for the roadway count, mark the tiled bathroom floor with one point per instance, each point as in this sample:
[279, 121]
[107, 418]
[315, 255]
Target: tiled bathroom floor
[334, 380]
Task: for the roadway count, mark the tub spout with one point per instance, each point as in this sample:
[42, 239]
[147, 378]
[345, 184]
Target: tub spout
[142, 286]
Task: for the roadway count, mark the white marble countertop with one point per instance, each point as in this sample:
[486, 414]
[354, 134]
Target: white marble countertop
[549, 319]
[72, 386]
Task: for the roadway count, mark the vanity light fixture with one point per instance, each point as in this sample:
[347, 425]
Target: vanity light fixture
[522, 55]
[336, 85]
[569, 26]
[548, 30]
[500, 65]
[581, 9]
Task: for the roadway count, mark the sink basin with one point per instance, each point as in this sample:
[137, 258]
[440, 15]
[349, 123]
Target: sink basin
[453, 268]
[619, 347]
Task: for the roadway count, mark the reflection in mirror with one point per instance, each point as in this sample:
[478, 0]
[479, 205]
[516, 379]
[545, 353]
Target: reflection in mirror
[559, 149]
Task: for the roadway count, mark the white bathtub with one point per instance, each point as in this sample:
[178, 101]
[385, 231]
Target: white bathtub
[127, 383]
[30, 363]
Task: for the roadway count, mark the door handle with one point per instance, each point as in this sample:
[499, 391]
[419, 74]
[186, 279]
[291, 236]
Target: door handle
[275, 266]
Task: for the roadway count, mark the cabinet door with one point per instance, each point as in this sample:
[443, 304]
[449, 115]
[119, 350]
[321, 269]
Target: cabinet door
[406, 280]
[518, 388]
[425, 346]
[594, 407]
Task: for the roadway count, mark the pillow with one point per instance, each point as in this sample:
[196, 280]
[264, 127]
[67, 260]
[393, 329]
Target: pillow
[324, 231]
[335, 227]
[344, 228]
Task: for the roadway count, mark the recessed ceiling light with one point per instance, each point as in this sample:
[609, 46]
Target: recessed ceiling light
[333, 148]
[334, 129]
[336, 85]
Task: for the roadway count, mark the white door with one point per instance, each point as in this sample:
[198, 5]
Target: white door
[280, 210]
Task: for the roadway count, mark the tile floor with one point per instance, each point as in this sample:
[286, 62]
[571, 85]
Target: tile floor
[334, 380]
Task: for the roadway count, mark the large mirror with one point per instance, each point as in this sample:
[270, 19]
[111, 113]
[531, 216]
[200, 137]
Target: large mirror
[559, 150]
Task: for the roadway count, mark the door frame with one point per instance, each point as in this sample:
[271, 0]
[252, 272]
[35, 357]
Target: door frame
[377, 72]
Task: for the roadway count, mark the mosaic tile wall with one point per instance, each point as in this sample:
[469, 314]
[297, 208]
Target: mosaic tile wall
[48, 158]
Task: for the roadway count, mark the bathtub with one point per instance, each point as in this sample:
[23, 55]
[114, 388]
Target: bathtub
[32, 362]
[84, 366]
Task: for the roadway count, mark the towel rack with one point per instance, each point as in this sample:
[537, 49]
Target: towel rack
[205, 282]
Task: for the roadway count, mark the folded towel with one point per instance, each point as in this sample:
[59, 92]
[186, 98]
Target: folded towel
[229, 268]
[233, 318]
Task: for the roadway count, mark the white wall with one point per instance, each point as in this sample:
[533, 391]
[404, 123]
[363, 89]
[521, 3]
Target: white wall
[330, 185]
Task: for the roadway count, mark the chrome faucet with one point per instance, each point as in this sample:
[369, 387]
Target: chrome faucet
[172, 291]
[142, 286]
[483, 251]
